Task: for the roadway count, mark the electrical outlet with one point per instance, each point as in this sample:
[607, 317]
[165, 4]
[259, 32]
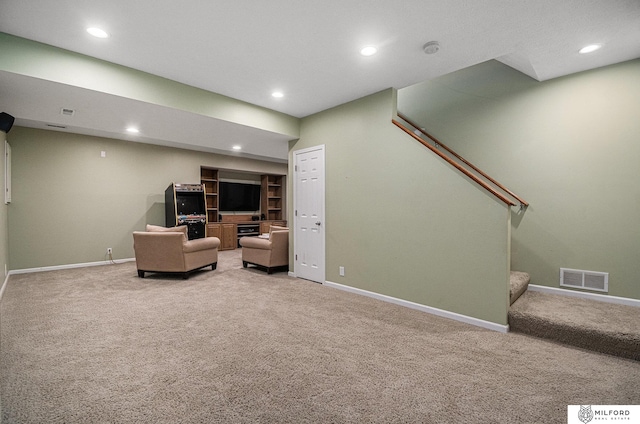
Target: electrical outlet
[342, 271]
[109, 251]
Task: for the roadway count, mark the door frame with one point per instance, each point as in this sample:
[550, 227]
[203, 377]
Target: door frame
[320, 147]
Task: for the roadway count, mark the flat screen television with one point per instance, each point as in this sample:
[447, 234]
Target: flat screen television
[239, 197]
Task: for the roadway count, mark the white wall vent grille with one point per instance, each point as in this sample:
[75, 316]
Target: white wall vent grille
[587, 280]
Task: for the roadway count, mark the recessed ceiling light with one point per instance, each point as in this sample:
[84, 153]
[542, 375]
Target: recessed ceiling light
[277, 94]
[133, 130]
[368, 51]
[590, 48]
[97, 32]
[237, 147]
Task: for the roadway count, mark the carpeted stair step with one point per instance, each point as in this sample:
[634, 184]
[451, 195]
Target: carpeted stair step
[518, 283]
[589, 324]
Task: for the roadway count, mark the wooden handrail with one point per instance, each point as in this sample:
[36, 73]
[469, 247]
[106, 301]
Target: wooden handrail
[456, 165]
[463, 160]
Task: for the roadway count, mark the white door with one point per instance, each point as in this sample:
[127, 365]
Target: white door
[308, 213]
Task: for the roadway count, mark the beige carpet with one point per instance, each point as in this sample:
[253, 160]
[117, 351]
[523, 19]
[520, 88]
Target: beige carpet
[518, 283]
[99, 345]
[589, 324]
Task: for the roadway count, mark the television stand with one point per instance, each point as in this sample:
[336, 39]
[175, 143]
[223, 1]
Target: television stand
[232, 228]
[247, 230]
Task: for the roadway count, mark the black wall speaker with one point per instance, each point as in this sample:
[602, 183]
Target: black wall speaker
[6, 122]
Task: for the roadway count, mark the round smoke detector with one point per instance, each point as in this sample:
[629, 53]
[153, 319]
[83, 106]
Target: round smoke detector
[431, 47]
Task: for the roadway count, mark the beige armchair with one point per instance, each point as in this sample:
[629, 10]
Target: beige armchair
[161, 249]
[267, 253]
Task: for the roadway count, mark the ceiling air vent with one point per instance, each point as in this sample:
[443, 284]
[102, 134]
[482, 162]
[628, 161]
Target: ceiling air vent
[67, 112]
[587, 280]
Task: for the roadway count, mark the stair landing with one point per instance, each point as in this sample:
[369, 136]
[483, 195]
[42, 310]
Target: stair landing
[589, 324]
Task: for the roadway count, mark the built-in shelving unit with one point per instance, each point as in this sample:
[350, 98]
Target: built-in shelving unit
[209, 178]
[230, 228]
[272, 197]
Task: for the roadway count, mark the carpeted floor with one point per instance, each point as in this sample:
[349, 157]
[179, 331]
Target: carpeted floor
[234, 345]
[603, 327]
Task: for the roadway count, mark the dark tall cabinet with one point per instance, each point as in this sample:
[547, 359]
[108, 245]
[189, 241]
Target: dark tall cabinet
[185, 204]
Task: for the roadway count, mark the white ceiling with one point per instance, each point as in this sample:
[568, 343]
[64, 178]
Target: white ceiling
[246, 49]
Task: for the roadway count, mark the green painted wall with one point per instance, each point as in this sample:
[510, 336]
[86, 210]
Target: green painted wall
[69, 204]
[401, 221]
[570, 146]
[30, 58]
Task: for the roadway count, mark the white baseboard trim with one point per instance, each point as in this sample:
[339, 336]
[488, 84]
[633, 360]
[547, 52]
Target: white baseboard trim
[584, 295]
[423, 308]
[292, 274]
[69, 266]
